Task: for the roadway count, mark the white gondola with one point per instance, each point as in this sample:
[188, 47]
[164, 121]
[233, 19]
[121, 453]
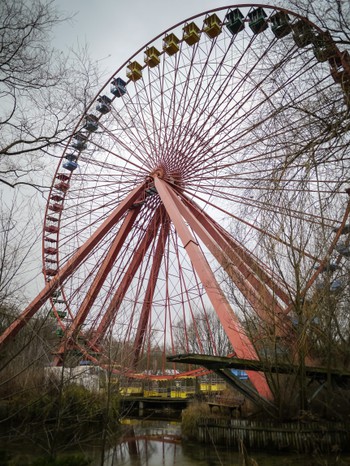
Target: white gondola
[104, 104]
[336, 285]
[118, 87]
[343, 249]
[344, 231]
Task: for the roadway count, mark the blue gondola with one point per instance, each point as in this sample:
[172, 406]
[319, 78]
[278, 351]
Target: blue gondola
[70, 165]
[79, 142]
[91, 123]
[235, 21]
[104, 104]
[242, 375]
[71, 157]
[118, 87]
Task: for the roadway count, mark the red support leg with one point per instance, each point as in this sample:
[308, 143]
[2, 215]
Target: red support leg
[138, 256]
[98, 282]
[240, 342]
[242, 274]
[71, 265]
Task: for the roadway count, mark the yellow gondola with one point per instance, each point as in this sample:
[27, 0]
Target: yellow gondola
[171, 44]
[191, 33]
[152, 57]
[135, 71]
[212, 26]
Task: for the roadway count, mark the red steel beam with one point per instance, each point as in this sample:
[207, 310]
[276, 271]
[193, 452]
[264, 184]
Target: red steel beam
[234, 246]
[98, 281]
[246, 282]
[71, 265]
[137, 258]
[258, 295]
[230, 322]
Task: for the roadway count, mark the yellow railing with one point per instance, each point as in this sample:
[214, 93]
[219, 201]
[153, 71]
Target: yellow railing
[210, 387]
[173, 392]
[126, 391]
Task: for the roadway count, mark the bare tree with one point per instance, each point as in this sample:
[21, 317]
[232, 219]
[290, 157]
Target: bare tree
[204, 334]
[332, 15]
[19, 234]
[42, 91]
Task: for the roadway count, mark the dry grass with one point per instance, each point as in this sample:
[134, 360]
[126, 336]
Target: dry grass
[190, 417]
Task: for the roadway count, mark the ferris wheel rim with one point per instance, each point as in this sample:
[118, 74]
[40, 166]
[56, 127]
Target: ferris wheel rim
[135, 55]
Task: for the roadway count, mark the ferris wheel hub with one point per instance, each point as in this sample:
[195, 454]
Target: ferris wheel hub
[159, 172]
[172, 176]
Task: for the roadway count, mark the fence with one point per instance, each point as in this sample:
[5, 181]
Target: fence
[293, 436]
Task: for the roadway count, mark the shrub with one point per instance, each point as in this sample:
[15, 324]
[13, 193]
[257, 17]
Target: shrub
[190, 418]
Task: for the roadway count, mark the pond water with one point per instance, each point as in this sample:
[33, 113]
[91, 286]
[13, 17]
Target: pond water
[158, 443]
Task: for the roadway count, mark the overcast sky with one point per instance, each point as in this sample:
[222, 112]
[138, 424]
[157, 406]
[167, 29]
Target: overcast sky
[114, 30]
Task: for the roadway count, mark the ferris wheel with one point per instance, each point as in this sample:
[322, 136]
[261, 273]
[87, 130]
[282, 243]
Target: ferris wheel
[208, 170]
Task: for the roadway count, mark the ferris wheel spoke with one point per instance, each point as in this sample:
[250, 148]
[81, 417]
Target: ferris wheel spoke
[238, 136]
[205, 101]
[279, 209]
[126, 173]
[253, 110]
[257, 228]
[143, 138]
[311, 218]
[100, 277]
[128, 161]
[149, 294]
[187, 289]
[129, 274]
[223, 99]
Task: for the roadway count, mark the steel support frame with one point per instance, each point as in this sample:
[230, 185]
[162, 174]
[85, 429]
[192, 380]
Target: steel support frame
[148, 300]
[233, 246]
[71, 265]
[251, 279]
[244, 278]
[138, 256]
[230, 322]
[97, 283]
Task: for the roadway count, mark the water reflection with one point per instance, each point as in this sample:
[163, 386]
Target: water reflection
[158, 443]
[146, 444]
